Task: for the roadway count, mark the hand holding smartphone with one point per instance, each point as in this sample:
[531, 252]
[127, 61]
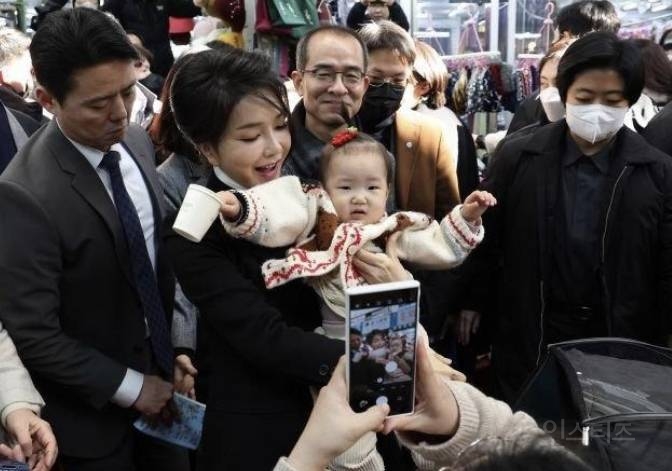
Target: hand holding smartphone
[382, 326]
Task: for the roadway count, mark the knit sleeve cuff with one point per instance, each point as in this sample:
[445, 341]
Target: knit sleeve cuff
[467, 432]
[466, 234]
[248, 222]
[362, 456]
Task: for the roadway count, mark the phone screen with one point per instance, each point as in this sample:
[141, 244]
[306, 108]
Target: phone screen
[382, 332]
[11, 465]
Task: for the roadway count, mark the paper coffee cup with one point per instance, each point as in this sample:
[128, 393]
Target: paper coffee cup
[199, 209]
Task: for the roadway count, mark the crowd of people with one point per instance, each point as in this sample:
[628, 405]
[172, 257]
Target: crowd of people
[107, 312]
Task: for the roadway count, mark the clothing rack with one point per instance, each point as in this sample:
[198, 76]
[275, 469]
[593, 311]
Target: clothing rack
[470, 27]
[472, 59]
[529, 57]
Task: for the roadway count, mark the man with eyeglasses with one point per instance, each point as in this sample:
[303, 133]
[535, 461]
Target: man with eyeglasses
[330, 78]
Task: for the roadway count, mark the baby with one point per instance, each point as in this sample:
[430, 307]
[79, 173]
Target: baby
[328, 224]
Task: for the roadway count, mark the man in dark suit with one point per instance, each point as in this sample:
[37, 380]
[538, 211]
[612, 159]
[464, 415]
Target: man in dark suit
[86, 290]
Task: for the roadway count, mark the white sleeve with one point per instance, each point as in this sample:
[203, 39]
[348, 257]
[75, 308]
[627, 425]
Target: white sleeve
[278, 213]
[440, 246]
[129, 389]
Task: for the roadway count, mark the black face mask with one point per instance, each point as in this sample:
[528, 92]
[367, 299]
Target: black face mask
[378, 105]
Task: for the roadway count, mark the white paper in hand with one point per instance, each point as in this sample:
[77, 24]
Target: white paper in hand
[186, 432]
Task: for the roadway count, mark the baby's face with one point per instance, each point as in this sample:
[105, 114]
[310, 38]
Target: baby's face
[377, 342]
[357, 186]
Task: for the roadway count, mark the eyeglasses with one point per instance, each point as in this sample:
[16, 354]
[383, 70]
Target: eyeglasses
[396, 83]
[328, 76]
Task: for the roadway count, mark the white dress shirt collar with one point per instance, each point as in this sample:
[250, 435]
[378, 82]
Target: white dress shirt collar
[227, 180]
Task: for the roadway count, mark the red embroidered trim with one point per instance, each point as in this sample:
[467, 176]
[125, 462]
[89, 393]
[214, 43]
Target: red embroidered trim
[471, 242]
[252, 205]
[285, 274]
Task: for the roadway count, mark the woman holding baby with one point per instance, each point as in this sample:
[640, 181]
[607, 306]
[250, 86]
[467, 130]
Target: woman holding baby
[233, 108]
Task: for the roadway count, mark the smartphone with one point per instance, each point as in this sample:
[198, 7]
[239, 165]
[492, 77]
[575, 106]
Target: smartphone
[382, 327]
[11, 465]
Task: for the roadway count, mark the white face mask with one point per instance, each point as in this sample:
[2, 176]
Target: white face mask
[552, 104]
[595, 123]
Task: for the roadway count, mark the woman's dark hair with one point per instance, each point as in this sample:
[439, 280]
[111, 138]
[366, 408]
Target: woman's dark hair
[360, 145]
[429, 68]
[657, 67]
[601, 50]
[583, 17]
[208, 86]
[68, 41]
[163, 130]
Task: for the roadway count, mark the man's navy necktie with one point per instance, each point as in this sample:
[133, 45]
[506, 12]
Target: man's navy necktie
[145, 278]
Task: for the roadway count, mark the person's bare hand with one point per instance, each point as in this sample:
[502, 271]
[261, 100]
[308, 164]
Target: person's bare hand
[185, 376]
[154, 396]
[436, 411]
[230, 206]
[332, 413]
[381, 267]
[34, 440]
[476, 204]
[442, 367]
[468, 323]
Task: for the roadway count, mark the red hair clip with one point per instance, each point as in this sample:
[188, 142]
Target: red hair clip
[343, 137]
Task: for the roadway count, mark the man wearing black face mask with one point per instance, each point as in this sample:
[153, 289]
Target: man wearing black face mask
[426, 176]
[426, 169]
[330, 78]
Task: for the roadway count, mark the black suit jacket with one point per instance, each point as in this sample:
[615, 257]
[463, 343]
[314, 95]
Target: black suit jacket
[263, 353]
[68, 298]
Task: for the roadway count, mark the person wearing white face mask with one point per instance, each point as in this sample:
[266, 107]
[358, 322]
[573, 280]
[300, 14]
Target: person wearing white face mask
[574, 20]
[579, 244]
[549, 96]
[552, 108]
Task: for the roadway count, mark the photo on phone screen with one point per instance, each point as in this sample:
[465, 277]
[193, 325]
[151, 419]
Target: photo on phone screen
[382, 331]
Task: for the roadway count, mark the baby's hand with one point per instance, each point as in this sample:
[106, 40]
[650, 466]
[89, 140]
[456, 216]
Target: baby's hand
[476, 204]
[230, 209]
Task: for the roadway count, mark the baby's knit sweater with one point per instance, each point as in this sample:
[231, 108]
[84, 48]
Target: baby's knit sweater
[286, 212]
